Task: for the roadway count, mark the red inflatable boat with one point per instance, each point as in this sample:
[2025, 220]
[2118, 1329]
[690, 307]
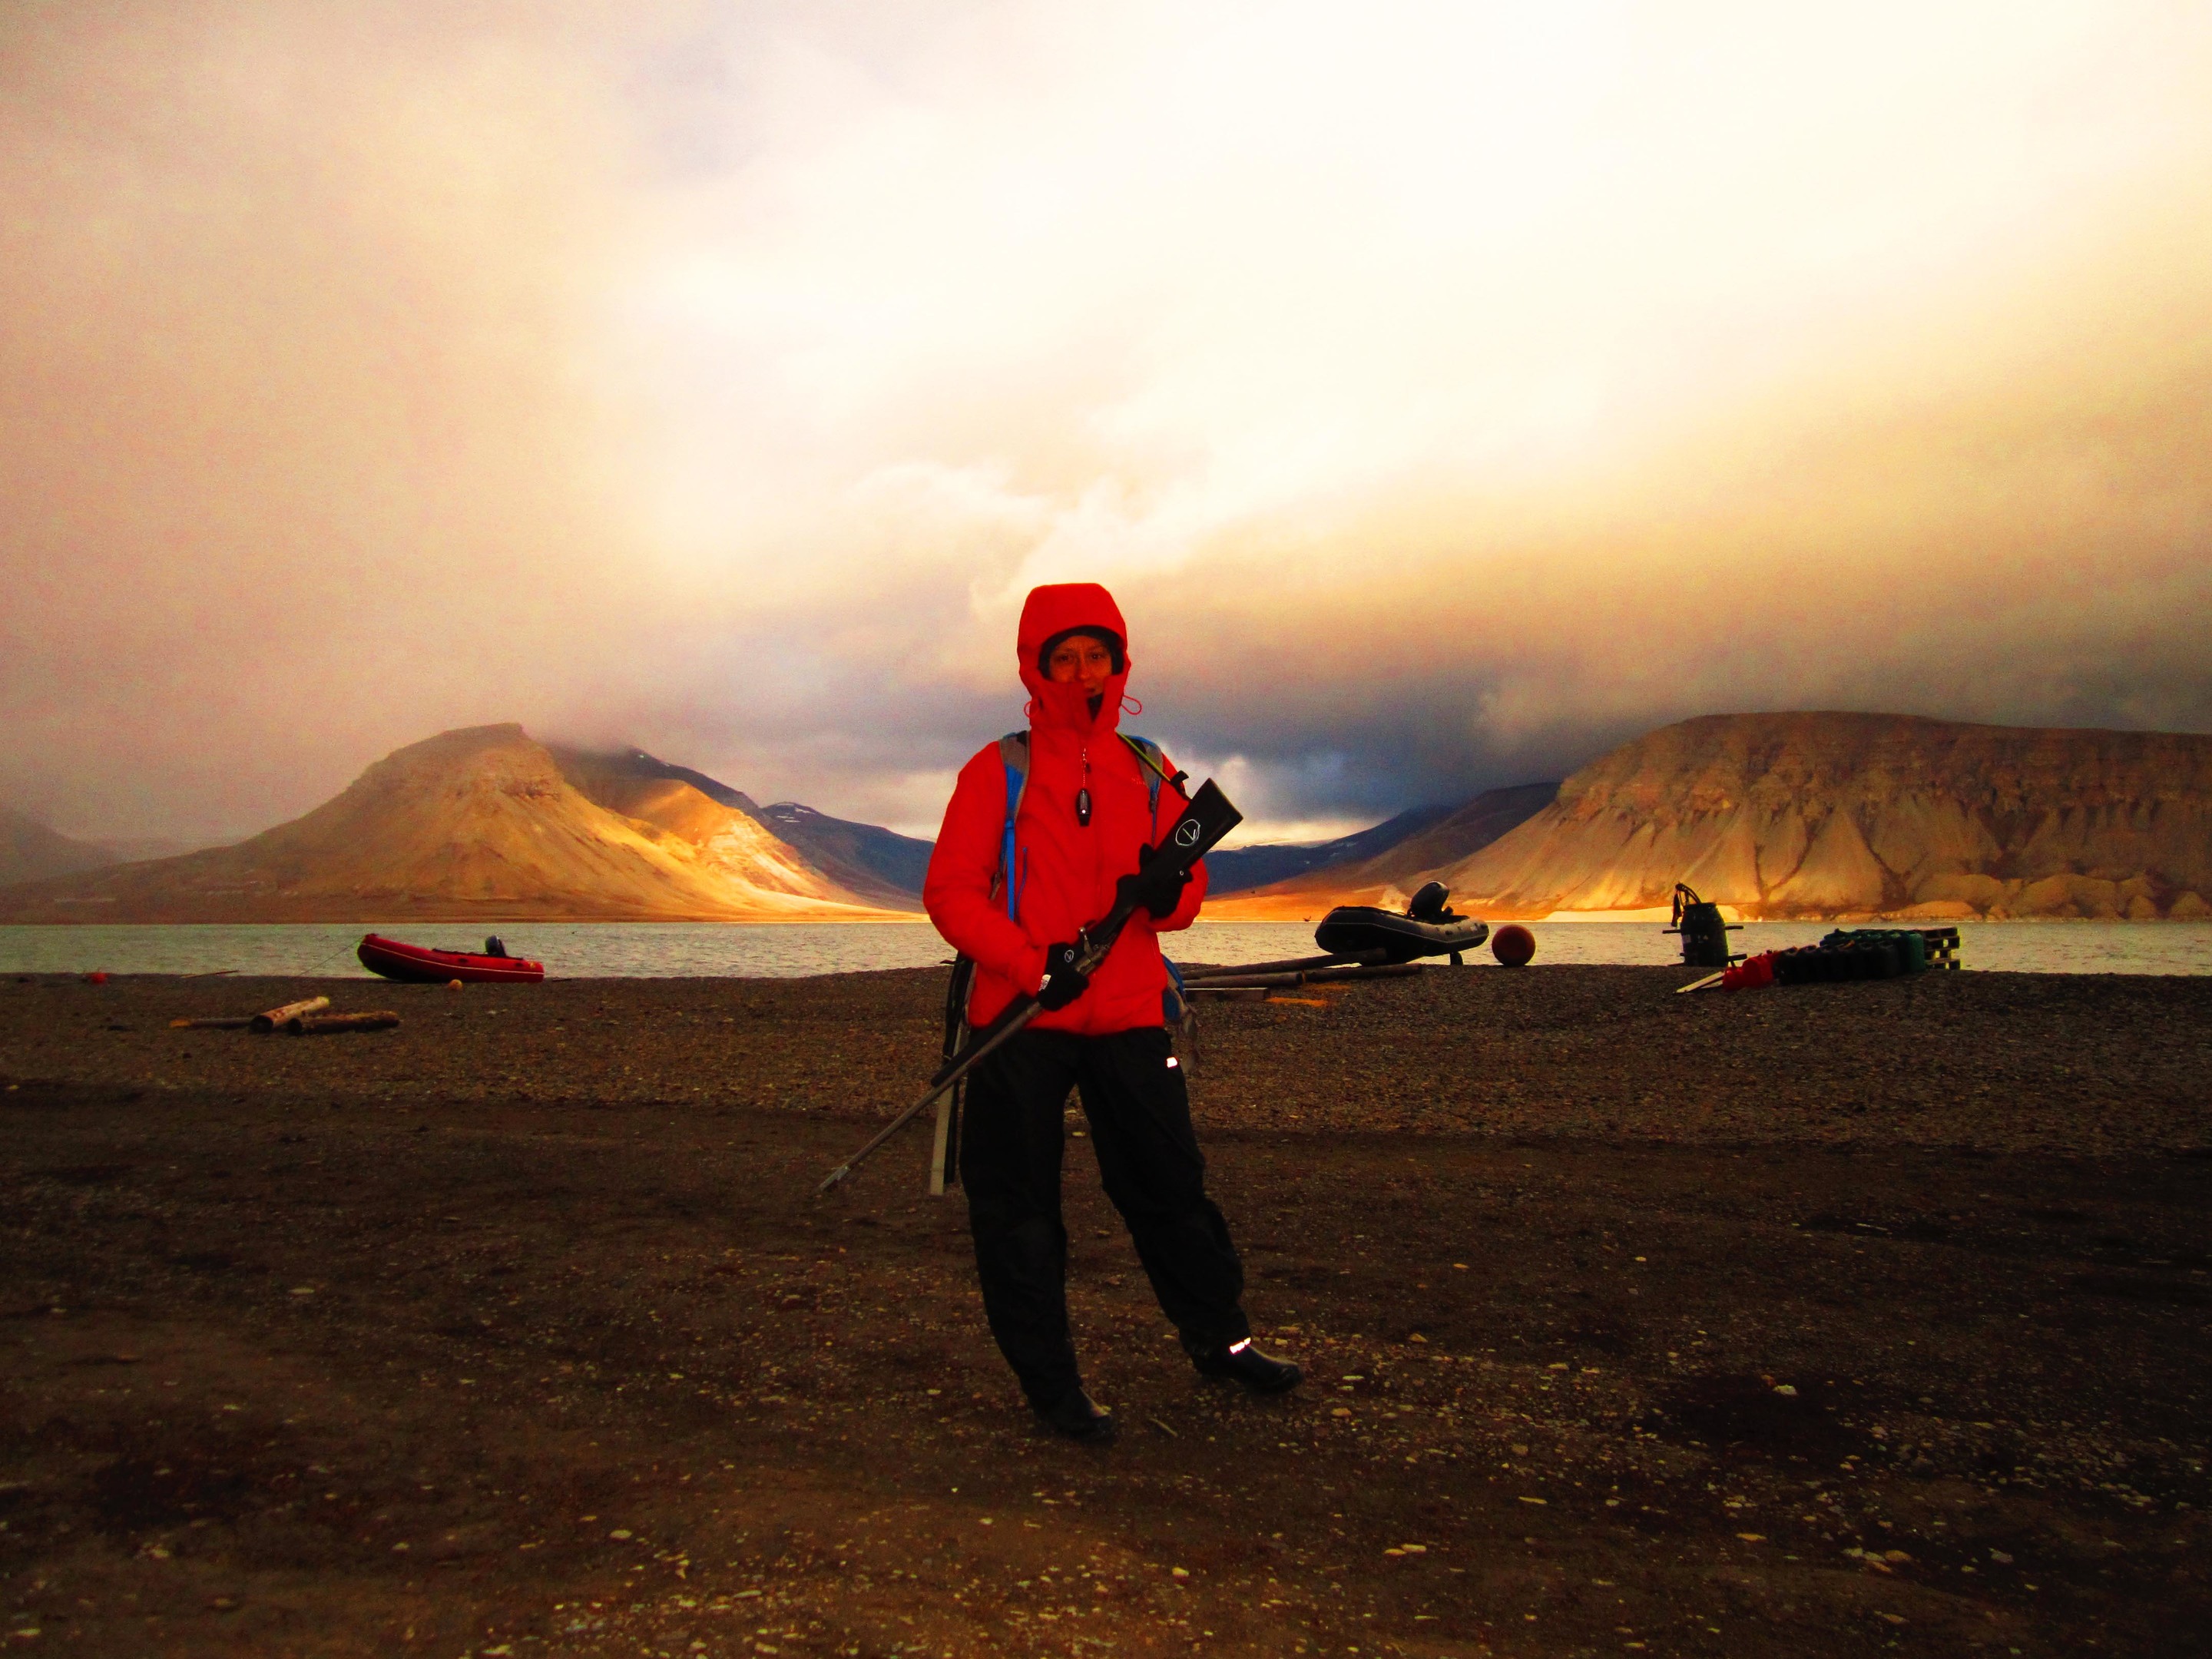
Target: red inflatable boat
[424, 965]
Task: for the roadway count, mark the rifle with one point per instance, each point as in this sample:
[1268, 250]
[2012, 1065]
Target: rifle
[1202, 824]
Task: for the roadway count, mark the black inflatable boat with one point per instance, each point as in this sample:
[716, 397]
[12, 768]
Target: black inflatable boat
[1428, 929]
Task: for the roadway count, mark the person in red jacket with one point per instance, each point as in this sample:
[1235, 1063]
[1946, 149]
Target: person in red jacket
[1091, 809]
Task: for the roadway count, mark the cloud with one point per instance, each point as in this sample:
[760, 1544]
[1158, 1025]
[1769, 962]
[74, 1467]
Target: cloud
[1447, 394]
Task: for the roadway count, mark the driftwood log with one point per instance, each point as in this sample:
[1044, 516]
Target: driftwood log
[290, 1010]
[381, 1019]
[1227, 992]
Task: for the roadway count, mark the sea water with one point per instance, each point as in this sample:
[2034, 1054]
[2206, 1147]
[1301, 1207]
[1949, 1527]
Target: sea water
[680, 948]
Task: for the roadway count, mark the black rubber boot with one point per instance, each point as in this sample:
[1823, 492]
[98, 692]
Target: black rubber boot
[1077, 1417]
[1240, 1361]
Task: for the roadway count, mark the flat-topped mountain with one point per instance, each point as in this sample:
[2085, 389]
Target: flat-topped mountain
[1840, 815]
[477, 823]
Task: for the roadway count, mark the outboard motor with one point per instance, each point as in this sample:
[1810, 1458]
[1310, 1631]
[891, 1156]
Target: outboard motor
[1704, 935]
[1428, 904]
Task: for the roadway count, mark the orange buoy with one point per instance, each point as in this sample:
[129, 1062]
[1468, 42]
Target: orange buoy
[1513, 944]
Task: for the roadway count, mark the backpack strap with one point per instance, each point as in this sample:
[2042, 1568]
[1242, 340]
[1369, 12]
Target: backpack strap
[1014, 755]
[1154, 760]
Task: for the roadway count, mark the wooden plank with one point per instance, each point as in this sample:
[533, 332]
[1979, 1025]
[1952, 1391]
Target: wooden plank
[290, 1010]
[938, 1145]
[376, 1019]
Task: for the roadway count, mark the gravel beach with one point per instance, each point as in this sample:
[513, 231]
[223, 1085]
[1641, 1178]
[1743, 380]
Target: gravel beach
[1840, 1320]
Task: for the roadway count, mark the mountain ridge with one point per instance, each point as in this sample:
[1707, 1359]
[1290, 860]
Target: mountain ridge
[1832, 814]
[30, 851]
[482, 823]
[1241, 869]
[862, 859]
[1394, 868]
[865, 857]
[1798, 815]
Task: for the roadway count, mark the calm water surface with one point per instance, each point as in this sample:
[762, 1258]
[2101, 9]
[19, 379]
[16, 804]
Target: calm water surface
[659, 950]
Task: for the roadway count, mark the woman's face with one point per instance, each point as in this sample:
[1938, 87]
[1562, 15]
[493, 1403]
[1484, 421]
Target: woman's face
[1084, 660]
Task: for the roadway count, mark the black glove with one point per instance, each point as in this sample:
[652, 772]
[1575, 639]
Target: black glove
[1063, 983]
[1159, 891]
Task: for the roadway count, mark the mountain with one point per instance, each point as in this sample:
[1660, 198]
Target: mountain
[130, 850]
[878, 865]
[1382, 864]
[636, 763]
[1844, 815]
[480, 823]
[865, 857]
[1465, 832]
[29, 851]
[1241, 868]
[721, 824]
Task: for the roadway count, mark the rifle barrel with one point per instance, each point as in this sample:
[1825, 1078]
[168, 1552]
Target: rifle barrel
[1201, 974]
[1201, 826]
[1017, 1013]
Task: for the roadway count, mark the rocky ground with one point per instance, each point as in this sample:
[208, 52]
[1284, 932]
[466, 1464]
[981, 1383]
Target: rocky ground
[1842, 1320]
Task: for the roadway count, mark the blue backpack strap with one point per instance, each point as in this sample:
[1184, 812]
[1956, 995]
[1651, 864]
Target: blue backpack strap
[1014, 755]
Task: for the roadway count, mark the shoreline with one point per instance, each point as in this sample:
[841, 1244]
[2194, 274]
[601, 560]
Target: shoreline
[680, 949]
[2082, 1062]
[1656, 916]
[458, 918]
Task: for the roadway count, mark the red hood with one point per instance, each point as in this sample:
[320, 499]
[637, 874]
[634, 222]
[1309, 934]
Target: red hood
[1055, 609]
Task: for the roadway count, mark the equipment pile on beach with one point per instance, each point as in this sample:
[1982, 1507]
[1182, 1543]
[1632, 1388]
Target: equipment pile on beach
[1843, 955]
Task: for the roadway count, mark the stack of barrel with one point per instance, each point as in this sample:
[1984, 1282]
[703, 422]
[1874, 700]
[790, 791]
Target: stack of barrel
[1868, 953]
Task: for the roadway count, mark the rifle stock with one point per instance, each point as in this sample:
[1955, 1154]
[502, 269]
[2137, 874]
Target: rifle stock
[1198, 830]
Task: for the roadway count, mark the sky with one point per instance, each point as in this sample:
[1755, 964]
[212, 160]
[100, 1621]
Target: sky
[1448, 392]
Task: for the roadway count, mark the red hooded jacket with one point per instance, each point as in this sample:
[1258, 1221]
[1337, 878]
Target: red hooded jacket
[1063, 871]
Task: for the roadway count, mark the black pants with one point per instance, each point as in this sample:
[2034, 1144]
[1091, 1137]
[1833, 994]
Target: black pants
[1010, 1156]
